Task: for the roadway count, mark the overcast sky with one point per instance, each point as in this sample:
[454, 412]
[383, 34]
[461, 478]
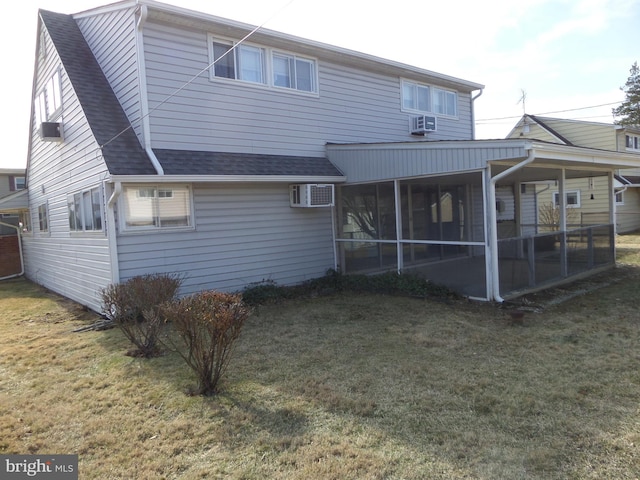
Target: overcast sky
[565, 54]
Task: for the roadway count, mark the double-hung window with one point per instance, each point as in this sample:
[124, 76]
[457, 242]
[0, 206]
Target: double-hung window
[420, 98]
[85, 211]
[48, 103]
[244, 62]
[290, 71]
[444, 102]
[632, 142]
[156, 207]
[416, 97]
[43, 218]
[262, 66]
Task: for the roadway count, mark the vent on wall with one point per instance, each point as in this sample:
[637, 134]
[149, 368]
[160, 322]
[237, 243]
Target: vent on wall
[311, 195]
[423, 124]
[51, 131]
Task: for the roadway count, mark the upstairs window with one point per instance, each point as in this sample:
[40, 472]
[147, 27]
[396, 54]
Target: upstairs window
[16, 183]
[444, 102]
[416, 97]
[290, 71]
[245, 62]
[85, 211]
[421, 98]
[48, 103]
[262, 66]
[156, 207]
[632, 142]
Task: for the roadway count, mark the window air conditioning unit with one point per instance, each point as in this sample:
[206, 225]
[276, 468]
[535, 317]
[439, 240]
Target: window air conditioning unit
[51, 131]
[311, 195]
[422, 125]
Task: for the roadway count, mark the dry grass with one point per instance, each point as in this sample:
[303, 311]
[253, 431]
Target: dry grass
[340, 387]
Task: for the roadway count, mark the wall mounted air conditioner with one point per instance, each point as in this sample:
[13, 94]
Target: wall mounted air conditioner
[51, 131]
[423, 124]
[311, 195]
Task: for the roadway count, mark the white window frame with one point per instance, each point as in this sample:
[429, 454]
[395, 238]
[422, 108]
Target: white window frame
[433, 93]
[82, 212]
[556, 199]
[43, 218]
[267, 74]
[235, 51]
[632, 142]
[48, 102]
[161, 191]
[615, 195]
[446, 93]
[293, 65]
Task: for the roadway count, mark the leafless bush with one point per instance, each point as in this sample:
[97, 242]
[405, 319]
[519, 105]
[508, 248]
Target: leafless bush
[134, 305]
[208, 324]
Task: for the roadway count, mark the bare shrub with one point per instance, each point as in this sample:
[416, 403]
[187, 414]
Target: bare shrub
[134, 305]
[208, 324]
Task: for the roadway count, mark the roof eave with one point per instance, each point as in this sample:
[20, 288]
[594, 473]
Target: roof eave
[226, 179]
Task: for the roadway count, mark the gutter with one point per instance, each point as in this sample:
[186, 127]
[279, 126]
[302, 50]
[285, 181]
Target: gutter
[227, 179]
[112, 239]
[19, 250]
[493, 226]
[473, 113]
[144, 97]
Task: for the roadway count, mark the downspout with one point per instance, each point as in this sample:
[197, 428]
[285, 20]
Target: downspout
[111, 232]
[19, 251]
[473, 114]
[144, 98]
[493, 225]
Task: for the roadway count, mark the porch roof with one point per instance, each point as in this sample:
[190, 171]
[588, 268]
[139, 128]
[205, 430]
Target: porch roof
[15, 202]
[387, 161]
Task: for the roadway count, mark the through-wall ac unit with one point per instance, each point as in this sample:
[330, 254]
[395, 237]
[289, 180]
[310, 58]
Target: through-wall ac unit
[51, 131]
[311, 195]
[423, 124]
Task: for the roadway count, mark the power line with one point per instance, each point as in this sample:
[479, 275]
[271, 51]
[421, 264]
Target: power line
[549, 113]
[205, 69]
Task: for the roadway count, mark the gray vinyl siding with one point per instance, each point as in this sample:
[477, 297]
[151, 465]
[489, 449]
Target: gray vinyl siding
[74, 265]
[352, 105]
[112, 39]
[244, 234]
[362, 163]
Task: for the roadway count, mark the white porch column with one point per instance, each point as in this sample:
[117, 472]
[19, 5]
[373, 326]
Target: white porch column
[398, 205]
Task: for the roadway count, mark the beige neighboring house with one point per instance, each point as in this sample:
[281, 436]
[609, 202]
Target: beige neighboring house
[588, 197]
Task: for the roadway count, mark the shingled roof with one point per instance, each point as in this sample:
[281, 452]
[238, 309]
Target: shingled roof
[121, 149]
[182, 162]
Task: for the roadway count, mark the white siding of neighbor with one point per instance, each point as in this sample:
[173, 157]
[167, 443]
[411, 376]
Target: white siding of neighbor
[227, 115]
[74, 265]
[244, 234]
[111, 37]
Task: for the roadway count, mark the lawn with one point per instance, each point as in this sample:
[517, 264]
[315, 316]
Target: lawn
[344, 387]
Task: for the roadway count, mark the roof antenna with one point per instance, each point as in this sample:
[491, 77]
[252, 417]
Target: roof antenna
[523, 99]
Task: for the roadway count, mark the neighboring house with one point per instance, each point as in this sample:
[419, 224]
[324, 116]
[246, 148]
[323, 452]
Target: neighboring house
[161, 143]
[12, 183]
[588, 198]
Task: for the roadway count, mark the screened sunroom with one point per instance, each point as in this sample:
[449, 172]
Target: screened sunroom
[490, 219]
